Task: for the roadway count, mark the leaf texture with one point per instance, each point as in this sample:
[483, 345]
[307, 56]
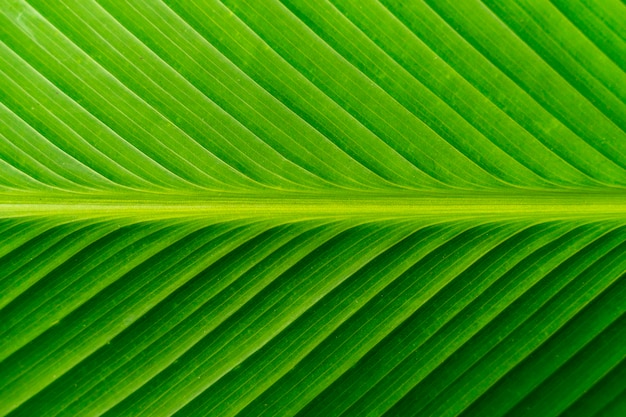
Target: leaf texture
[333, 208]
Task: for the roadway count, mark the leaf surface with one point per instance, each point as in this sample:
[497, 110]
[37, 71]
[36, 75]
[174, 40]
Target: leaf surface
[337, 208]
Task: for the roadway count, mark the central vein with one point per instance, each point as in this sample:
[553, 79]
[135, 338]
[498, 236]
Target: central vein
[413, 204]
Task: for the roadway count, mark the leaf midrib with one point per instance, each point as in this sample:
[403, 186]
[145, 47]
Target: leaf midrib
[541, 204]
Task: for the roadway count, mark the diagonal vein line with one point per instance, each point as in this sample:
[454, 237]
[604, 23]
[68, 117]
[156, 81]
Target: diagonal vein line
[85, 333]
[432, 265]
[593, 11]
[387, 275]
[414, 77]
[208, 98]
[510, 305]
[287, 86]
[565, 51]
[351, 116]
[196, 312]
[388, 93]
[354, 245]
[11, 162]
[520, 89]
[460, 75]
[84, 141]
[584, 35]
[133, 94]
[439, 294]
[388, 390]
[165, 64]
[424, 155]
[548, 382]
[514, 79]
[551, 340]
[609, 56]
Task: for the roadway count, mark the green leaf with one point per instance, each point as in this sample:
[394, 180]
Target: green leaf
[334, 208]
